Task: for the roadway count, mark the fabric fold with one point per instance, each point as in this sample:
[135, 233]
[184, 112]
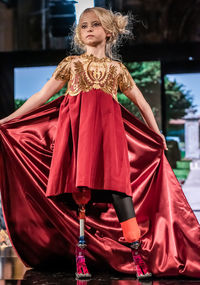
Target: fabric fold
[44, 231]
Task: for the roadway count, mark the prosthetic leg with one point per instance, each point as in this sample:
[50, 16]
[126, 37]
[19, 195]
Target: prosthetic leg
[142, 271]
[123, 205]
[81, 198]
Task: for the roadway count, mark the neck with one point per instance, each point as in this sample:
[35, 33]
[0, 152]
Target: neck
[96, 51]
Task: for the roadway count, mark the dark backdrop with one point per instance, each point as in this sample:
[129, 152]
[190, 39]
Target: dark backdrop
[175, 58]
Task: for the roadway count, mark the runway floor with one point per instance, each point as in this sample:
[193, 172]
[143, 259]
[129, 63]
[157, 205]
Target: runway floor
[12, 271]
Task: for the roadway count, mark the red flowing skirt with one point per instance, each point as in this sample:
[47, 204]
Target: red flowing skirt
[44, 231]
[90, 147]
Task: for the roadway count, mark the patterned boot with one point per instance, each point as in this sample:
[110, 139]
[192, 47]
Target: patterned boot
[142, 271]
[81, 267]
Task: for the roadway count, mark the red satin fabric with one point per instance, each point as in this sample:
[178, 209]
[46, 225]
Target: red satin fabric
[90, 147]
[43, 230]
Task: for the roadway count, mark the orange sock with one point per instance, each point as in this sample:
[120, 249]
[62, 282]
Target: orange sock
[131, 230]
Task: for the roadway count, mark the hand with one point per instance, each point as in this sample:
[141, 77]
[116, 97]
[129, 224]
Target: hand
[164, 141]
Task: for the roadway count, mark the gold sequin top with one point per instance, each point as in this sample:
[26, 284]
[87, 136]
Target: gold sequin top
[85, 72]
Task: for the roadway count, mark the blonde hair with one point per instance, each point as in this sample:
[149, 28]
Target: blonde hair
[113, 23]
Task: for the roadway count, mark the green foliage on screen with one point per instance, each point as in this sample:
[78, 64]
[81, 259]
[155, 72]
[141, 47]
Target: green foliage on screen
[60, 93]
[19, 103]
[178, 99]
[146, 75]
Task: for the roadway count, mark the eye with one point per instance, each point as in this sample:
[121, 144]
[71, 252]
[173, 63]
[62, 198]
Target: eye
[96, 24]
[83, 26]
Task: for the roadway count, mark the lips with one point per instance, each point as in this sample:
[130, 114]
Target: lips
[89, 36]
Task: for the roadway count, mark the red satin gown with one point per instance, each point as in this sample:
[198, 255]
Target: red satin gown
[86, 138]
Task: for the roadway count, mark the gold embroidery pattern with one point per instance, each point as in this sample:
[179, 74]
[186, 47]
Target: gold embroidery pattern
[62, 71]
[86, 72]
[125, 80]
[97, 75]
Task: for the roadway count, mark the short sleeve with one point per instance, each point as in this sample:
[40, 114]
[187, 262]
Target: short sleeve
[125, 80]
[63, 70]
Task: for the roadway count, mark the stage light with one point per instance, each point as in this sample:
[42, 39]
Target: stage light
[81, 6]
[190, 58]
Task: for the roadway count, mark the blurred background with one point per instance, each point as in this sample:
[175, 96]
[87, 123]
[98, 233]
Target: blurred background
[163, 59]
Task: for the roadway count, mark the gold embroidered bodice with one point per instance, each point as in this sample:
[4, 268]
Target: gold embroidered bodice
[85, 72]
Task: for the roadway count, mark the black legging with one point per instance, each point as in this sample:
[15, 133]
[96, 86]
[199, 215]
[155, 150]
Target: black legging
[123, 205]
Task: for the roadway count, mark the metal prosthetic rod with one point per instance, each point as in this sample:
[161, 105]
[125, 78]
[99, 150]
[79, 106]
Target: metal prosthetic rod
[81, 210]
[81, 198]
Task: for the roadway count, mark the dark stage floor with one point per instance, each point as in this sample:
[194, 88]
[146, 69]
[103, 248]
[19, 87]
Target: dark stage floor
[12, 271]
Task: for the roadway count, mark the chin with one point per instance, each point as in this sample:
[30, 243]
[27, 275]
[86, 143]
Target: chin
[93, 42]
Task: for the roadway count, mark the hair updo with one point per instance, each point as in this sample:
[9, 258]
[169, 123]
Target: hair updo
[113, 23]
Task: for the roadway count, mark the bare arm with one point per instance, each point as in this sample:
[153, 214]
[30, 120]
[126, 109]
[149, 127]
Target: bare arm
[36, 100]
[135, 95]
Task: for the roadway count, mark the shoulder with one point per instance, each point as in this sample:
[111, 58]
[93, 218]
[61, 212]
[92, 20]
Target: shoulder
[67, 60]
[117, 64]
[71, 57]
[120, 66]
[63, 69]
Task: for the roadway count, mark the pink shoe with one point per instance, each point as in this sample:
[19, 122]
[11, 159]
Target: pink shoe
[142, 271]
[81, 267]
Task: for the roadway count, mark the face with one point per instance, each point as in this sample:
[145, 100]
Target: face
[91, 30]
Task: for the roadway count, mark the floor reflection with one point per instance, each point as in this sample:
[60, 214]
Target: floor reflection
[12, 271]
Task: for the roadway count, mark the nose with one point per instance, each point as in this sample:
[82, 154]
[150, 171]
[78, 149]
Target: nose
[90, 28]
